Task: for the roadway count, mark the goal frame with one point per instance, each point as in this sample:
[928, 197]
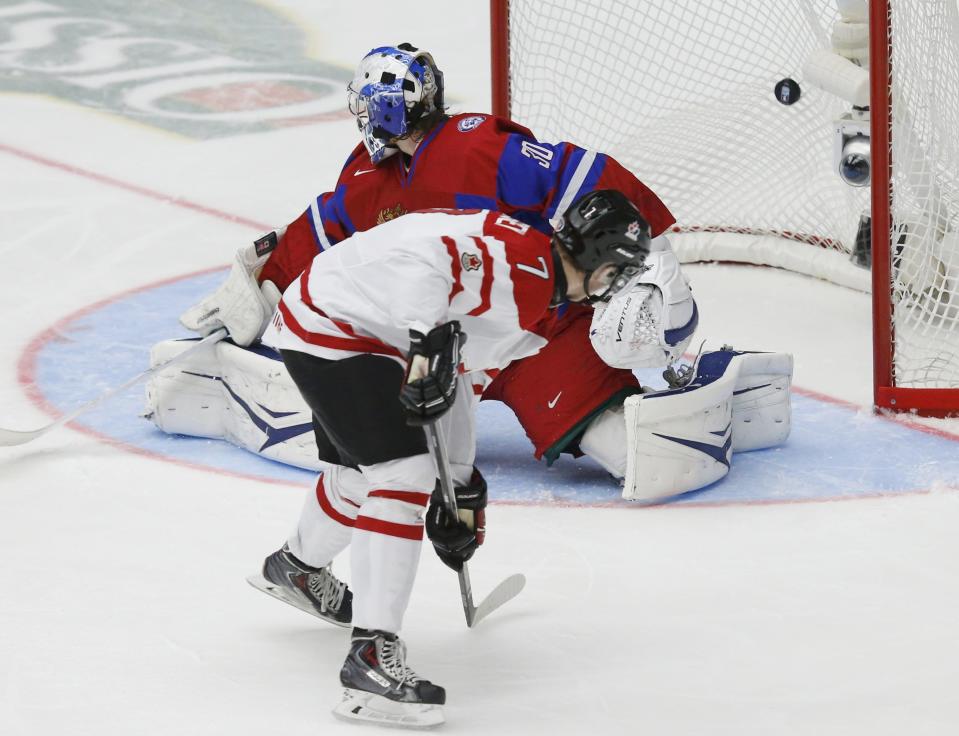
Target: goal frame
[934, 402]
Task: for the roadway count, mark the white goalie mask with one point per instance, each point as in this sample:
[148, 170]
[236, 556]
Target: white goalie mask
[393, 88]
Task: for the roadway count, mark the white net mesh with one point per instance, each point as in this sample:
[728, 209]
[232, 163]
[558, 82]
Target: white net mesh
[924, 93]
[682, 93]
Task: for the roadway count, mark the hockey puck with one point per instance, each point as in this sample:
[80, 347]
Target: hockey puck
[787, 91]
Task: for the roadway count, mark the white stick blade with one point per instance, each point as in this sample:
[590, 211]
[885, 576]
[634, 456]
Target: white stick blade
[502, 593]
[13, 437]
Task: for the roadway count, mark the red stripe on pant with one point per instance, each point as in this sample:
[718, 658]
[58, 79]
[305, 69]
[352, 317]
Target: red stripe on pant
[414, 497]
[328, 507]
[390, 528]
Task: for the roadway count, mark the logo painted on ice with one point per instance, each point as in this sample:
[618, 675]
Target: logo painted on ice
[471, 123]
[167, 69]
[471, 261]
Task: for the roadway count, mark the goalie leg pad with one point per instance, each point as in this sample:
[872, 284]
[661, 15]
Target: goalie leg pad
[762, 412]
[682, 439]
[186, 398]
[679, 440]
[245, 396]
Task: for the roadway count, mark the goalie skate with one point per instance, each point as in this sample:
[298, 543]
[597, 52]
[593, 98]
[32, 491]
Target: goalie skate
[313, 590]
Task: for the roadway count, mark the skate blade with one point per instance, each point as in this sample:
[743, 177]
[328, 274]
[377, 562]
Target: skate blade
[262, 584]
[364, 707]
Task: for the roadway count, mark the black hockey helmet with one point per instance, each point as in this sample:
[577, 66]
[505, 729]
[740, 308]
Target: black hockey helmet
[603, 229]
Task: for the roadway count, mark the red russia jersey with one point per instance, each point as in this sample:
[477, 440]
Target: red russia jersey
[468, 161]
[489, 271]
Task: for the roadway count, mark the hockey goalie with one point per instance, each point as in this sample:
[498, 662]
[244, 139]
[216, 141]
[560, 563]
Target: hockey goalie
[579, 395]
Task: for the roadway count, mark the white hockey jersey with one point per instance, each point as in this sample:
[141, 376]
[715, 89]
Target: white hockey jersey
[489, 271]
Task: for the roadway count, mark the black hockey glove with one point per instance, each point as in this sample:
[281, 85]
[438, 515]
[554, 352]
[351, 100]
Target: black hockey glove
[430, 386]
[455, 540]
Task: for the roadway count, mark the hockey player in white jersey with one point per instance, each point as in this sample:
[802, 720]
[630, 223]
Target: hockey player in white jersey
[591, 352]
[375, 334]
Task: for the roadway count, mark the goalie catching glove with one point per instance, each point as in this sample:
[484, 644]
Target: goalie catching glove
[455, 540]
[430, 386]
[241, 305]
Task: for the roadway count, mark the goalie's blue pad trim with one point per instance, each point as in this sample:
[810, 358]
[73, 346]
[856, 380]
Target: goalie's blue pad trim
[719, 453]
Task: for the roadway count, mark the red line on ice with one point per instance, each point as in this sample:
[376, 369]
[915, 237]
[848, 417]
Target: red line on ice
[26, 366]
[135, 188]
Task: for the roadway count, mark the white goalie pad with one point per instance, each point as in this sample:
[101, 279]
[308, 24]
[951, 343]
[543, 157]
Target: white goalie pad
[682, 439]
[762, 410]
[245, 395]
[651, 322]
[678, 440]
[242, 395]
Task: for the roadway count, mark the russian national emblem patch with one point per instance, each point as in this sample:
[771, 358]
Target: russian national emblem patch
[390, 213]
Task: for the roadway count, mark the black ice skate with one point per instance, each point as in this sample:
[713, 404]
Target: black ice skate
[381, 689]
[312, 589]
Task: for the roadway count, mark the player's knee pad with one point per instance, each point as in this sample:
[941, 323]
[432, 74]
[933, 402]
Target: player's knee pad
[416, 474]
[245, 396]
[389, 508]
[762, 411]
[345, 488]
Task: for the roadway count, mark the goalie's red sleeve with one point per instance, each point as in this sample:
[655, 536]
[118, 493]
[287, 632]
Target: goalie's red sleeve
[295, 247]
[616, 176]
[469, 161]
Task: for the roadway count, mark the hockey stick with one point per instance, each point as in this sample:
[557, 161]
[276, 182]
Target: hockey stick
[12, 437]
[506, 590]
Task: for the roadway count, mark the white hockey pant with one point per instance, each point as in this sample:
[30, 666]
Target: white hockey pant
[378, 512]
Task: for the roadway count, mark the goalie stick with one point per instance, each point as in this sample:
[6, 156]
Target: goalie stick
[12, 437]
[506, 590]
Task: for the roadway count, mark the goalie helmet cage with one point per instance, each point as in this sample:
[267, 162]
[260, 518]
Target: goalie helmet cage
[682, 93]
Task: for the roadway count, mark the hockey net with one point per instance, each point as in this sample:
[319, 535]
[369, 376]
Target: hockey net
[682, 93]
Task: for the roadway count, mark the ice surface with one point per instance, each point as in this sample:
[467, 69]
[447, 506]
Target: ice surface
[812, 591]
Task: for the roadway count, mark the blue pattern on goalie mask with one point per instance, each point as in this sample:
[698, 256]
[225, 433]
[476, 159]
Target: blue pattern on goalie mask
[392, 89]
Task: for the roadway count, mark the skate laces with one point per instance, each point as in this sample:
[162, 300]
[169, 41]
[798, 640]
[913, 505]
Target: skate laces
[393, 661]
[327, 588]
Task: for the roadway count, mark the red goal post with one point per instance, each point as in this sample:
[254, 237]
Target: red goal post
[684, 92]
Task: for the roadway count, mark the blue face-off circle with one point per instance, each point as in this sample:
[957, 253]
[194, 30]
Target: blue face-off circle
[834, 452]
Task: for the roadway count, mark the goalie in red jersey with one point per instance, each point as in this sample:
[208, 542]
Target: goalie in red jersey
[573, 396]
[415, 156]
